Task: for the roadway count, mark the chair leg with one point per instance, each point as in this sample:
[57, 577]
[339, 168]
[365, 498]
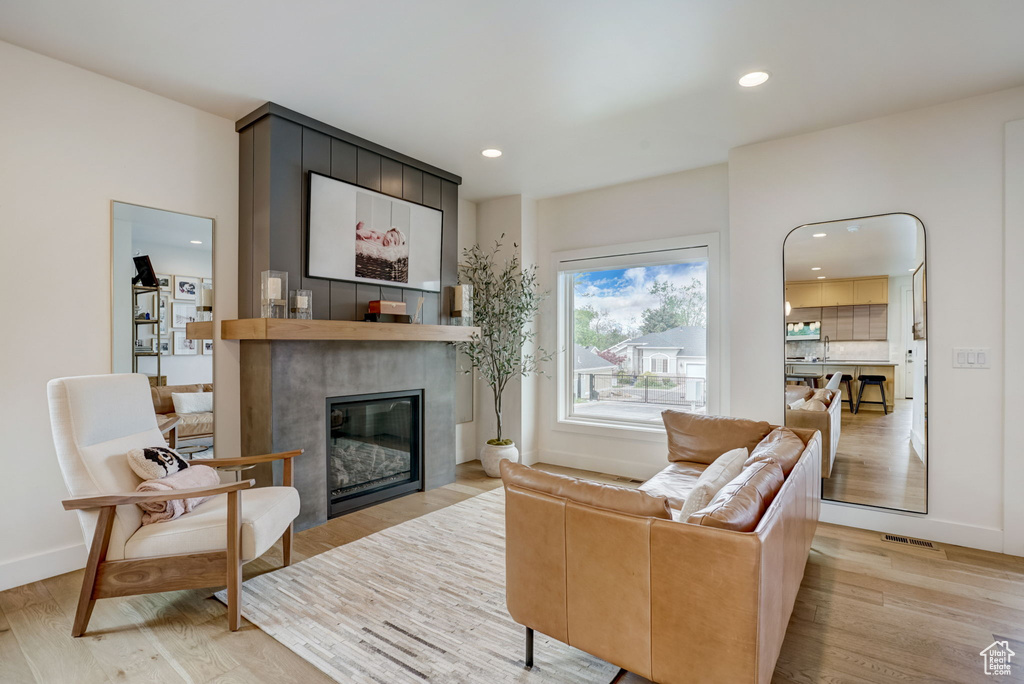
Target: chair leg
[860, 395]
[849, 394]
[286, 545]
[234, 561]
[97, 554]
[529, 648]
[885, 404]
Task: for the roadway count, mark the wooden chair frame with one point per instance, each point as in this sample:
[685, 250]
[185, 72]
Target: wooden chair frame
[133, 576]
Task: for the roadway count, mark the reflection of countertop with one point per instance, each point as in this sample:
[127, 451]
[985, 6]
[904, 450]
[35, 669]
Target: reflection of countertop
[841, 363]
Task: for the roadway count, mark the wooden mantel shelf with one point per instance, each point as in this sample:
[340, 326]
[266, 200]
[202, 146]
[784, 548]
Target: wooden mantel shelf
[297, 329]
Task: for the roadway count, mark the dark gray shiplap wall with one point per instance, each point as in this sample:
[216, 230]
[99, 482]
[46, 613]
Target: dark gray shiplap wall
[277, 149]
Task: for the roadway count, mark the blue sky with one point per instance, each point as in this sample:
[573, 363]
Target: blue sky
[623, 292]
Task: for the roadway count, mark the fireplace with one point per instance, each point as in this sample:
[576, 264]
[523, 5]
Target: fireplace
[374, 448]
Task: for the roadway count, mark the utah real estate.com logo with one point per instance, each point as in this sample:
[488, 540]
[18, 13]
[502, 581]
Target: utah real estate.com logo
[997, 658]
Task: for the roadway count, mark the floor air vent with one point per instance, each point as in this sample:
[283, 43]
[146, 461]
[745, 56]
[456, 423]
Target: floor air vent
[909, 541]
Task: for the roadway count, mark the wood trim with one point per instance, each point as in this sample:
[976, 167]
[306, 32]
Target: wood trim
[294, 329]
[203, 330]
[97, 553]
[251, 460]
[134, 576]
[274, 109]
[234, 560]
[152, 497]
[165, 425]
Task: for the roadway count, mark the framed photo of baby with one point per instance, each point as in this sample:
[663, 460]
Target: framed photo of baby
[364, 236]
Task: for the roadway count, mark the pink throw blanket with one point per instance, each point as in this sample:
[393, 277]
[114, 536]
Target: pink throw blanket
[162, 511]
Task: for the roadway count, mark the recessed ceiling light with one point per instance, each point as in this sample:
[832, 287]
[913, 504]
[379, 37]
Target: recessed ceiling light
[491, 153]
[819, 235]
[815, 268]
[196, 242]
[911, 269]
[821, 277]
[853, 229]
[754, 78]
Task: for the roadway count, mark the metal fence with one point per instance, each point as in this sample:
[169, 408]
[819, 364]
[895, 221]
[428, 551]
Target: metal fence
[675, 390]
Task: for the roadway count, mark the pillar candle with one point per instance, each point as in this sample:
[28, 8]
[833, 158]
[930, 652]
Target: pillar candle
[273, 288]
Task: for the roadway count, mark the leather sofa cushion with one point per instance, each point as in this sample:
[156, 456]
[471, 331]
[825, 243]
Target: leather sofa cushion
[797, 392]
[782, 446]
[193, 424]
[162, 402]
[674, 482]
[608, 497]
[742, 502]
[720, 473]
[702, 439]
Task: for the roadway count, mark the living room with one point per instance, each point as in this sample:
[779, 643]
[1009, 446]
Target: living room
[646, 192]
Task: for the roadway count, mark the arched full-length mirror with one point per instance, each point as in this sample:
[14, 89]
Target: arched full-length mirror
[162, 315]
[857, 355]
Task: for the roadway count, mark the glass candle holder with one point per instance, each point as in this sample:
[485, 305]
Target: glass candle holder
[204, 308]
[274, 294]
[302, 304]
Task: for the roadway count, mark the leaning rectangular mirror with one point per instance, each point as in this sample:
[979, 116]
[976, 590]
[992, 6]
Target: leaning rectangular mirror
[857, 355]
[162, 315]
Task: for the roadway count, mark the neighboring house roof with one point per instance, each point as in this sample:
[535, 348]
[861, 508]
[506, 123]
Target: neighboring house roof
[688, 338]
[586, 359]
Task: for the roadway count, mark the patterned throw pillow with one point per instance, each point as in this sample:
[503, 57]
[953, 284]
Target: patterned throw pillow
[153, 463]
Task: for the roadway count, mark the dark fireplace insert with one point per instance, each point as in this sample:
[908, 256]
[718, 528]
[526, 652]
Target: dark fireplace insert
[374, 448]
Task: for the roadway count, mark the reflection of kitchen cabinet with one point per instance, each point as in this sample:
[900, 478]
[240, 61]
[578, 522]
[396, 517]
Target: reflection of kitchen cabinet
[804, 315]
[871, 291]
[844, 323]
[878, 323]
[803, 295]
[861, 322]
[837, 292]
[830, 322]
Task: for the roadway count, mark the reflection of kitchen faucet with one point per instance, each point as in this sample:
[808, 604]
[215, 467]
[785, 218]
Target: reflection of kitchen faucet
[825, 360]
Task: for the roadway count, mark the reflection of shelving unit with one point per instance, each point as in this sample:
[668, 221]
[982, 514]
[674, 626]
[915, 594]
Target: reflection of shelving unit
[136, 323]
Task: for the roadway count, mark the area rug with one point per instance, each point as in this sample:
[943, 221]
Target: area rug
[423, 601]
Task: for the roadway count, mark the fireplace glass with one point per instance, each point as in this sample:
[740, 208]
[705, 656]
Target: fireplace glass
[374, 448]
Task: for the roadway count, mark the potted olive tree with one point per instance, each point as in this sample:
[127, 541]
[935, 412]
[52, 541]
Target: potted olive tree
[505, 301]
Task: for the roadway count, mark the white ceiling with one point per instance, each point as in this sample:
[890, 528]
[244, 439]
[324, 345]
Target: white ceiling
[578, 93]
[165, 228]
[881, 245]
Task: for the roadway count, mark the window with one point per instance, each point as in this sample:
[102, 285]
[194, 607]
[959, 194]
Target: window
[637, 324]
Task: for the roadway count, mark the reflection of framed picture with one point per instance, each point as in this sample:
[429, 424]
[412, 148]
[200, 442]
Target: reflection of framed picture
[186, 287]
[164, 281]
[367, 237]
[163, 312]
[164, 348]
[184, 346]
[920, 304]
[207, 347]
[182, 314]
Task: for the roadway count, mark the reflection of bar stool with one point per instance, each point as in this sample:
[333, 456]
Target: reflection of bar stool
[848, 379]
[879, 382]
[809, 379]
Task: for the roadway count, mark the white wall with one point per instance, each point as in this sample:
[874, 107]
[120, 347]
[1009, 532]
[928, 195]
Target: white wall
[945, 165]
[687, 203]
[466, 446]
[1013, 334]
[72, 141]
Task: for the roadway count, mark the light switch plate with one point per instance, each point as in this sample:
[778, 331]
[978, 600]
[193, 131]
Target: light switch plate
[972, 357]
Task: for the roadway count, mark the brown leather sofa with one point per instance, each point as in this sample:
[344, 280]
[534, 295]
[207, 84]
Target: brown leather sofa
[607, 570]
[192, 425]
[828, 422]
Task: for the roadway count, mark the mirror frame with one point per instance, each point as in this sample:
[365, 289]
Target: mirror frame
[213, 271]
[928, 354]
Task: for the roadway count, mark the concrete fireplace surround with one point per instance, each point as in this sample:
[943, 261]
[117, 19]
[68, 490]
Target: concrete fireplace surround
[285, 385]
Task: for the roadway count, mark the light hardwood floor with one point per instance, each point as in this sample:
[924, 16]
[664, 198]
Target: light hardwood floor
[868, 611]
[875, 464]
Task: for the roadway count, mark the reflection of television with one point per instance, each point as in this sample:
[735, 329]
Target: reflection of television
[803, 331]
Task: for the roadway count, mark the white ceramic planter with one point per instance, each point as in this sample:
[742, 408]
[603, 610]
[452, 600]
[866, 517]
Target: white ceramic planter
[492, 454]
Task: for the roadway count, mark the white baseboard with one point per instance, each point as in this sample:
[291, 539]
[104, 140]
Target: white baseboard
[34, 568]
[945, 531]
[628, 466]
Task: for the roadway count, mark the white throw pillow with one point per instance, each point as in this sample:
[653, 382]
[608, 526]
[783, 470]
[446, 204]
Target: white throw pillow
[715, 476]
[192, 402]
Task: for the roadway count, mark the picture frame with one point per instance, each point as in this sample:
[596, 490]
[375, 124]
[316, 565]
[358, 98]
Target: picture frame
[165, 282]
[183, 346]
[182, 314]
[362, 236]
[206, 347]
[186, 288]
[164, 347]
[920, 304]
[163, 312]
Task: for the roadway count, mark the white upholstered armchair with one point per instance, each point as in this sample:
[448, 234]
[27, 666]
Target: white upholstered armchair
[95, 421]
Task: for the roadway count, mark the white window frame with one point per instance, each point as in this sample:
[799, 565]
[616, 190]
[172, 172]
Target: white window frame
[563, 262]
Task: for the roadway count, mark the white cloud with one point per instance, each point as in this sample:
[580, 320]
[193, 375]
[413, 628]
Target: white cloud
[624, 294]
